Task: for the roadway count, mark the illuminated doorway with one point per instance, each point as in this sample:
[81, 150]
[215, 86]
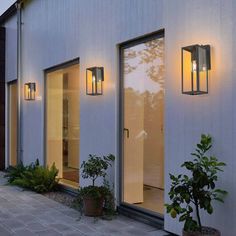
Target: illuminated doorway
[63, 122]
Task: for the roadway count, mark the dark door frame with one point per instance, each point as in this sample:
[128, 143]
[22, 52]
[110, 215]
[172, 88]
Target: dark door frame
[145, 215]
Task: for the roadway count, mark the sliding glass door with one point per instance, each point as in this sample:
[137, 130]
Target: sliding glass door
[143, 123]
[62, 123]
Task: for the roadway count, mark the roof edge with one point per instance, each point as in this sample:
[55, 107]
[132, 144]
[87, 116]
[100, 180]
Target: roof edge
[8, 13]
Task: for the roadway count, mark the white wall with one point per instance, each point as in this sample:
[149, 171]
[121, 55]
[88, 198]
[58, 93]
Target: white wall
[11, 49]
[56, 31]
[203, 22]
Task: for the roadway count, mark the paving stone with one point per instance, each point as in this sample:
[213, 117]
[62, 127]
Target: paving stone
[134, 231]
[23, 232]
[26, 213]
[158, 233]
[45, 217]
[4, 231]
[64, 219]
[103, 234]
[75, 233]
[84, 228]
[36, 211]
[36, 226]
[15, 210]
[13, 224]
[144, 227]
[62, 228]
[49, 232]
[110, 230]
[71, 213]
[61, 207]
[26, 218]
[98, 226]
[4, 216]
[117, 224]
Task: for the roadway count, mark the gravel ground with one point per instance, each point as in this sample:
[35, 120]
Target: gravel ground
[62, 197]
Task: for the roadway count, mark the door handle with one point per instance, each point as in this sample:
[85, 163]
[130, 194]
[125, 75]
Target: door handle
[127, 130]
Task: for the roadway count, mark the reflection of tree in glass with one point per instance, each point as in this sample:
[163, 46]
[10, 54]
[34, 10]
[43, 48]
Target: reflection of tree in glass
[154, 50]
[129, 54]
[152, 54]
[147, 104]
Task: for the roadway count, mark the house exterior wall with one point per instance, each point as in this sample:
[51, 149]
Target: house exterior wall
[202, 22]
[90, 30]
[57, 31]
[11, 49]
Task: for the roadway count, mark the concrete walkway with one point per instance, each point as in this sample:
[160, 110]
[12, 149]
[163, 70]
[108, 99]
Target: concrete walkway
[24, 213]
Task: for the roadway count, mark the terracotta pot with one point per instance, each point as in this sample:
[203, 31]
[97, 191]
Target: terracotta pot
[93, 207]
[206, 231]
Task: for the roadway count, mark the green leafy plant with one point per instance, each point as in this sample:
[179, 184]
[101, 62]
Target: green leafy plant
[34, 177]
[94, 168]
[109, 205]
[14, 172]
[197, 190]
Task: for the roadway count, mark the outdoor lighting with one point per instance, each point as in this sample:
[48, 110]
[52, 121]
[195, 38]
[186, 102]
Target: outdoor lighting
[30, 89]
[94, 80]
[195, 65]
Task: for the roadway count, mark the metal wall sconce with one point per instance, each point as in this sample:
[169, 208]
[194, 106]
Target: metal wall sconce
[94, 80]
[196, 63]
[29, 91]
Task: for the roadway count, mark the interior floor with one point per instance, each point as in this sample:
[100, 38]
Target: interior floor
[71, 174]
[69, 183]
[153, 199]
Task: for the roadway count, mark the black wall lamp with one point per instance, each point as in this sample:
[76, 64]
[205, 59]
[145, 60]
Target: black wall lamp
[94, 80]
[196, 63]
[29, 91]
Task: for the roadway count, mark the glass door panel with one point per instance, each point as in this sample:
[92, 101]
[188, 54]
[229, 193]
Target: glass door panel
[143, 107]
[62, 118]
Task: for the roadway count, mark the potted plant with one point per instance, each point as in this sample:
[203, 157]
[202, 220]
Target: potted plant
[92, 197]
[197, 190]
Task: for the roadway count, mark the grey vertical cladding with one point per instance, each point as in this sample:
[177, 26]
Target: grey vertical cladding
[2, 97]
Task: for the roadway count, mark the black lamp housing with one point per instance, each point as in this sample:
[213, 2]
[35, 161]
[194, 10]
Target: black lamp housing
[196, 62]
[94, 80]
[29, 91]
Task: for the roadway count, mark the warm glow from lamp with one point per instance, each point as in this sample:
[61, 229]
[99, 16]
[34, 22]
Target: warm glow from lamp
[94, 80]
[195, 67]
[29, 91]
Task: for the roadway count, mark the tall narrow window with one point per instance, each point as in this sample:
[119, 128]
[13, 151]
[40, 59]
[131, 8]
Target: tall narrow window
[143, 128]
[62, 123]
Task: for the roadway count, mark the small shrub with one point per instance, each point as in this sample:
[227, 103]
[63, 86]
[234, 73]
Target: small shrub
[34, 177]
[92, 169]
[198, 189]
[96, 167]
[15, 172]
